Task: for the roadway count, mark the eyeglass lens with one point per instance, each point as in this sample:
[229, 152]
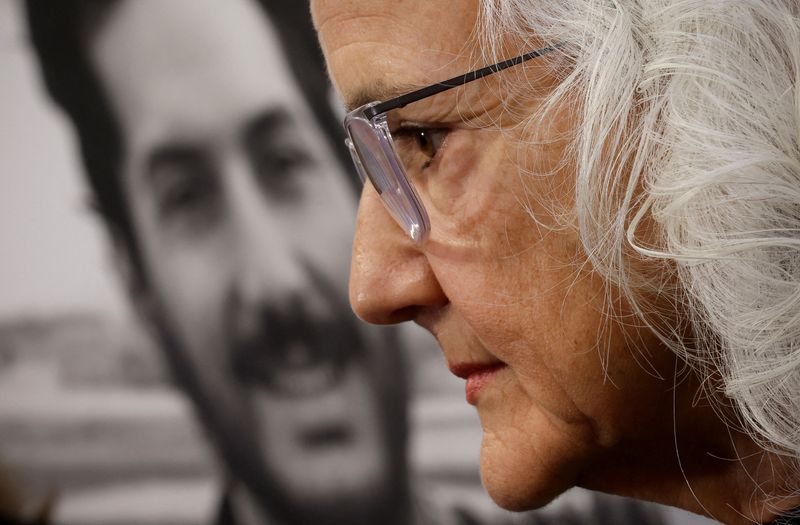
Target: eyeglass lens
[374, 155]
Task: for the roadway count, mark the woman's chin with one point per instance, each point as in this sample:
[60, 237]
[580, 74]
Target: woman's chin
[519, 480]
[529, 454]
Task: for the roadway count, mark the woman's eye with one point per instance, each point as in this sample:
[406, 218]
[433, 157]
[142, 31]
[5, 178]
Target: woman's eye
[426, 141]
[430, 140]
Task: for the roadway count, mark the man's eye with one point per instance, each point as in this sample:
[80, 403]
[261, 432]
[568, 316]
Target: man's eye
[185, 185]
[281, 171]
[426, 142]
[281, 162]
[187, 194]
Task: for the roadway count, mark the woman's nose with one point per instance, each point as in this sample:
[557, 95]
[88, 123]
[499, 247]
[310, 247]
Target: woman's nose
[390, 277]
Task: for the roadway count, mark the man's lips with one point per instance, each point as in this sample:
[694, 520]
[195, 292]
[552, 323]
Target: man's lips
[477, 375]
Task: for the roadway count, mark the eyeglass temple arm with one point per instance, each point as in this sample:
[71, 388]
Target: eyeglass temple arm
[460, 80]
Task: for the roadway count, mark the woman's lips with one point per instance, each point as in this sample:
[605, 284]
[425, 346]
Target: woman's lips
[477, 375]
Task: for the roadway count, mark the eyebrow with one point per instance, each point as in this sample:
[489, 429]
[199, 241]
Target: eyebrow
[266, 123]
[181, 151]
[376, 92]
[171, 153]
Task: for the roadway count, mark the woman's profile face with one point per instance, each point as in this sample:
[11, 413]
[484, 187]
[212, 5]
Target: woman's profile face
[568, 392]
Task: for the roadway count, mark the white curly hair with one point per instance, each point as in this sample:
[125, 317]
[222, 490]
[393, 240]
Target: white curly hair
[698, 102]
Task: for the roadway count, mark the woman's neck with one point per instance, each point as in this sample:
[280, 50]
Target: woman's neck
[699, 463]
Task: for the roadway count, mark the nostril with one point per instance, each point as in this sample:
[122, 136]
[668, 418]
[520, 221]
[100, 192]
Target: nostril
[386, 316]
[401, 315]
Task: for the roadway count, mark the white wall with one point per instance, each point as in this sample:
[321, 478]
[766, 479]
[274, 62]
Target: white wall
[52, 251]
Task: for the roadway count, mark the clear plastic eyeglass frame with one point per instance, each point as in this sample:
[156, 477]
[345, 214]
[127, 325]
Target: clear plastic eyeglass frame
[370, 143]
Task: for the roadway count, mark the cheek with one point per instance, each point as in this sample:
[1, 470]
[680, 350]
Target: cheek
[189, 279]
[519, 276]
[532, 306]
[321, 226]
[194, 293]
[572, 388]
[529, 296]
[468, 188]
[448, 184]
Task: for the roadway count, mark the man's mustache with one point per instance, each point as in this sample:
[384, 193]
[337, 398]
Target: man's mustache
[269, 340]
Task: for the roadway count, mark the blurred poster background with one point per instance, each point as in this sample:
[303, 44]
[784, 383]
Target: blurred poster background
[88, 418]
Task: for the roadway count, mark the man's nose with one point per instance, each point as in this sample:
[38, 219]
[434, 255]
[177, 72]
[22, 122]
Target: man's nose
[391, 280]
[265, 270]
[267, 259]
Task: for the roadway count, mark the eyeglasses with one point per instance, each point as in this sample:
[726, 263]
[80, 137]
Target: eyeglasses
[375, 156]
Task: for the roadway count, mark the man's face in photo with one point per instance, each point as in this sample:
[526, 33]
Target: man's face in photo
[243, 218]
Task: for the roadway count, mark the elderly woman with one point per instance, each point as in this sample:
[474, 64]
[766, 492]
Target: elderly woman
[601, 228]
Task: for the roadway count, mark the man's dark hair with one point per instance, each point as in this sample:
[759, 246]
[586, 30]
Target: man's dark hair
[58, 34]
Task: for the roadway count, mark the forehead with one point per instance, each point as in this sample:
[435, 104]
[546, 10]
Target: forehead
[189, 65]
[375, 48]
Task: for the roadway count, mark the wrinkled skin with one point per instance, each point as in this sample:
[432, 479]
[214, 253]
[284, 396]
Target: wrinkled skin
[583, 395]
